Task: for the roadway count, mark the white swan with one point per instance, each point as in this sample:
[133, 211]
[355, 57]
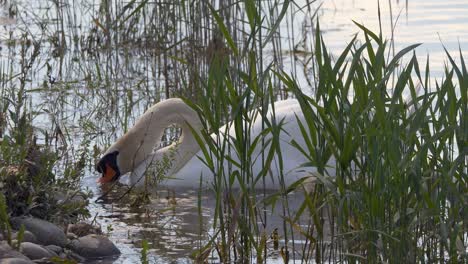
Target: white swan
[134, 152]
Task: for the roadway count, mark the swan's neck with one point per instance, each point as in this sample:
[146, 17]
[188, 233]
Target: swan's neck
[138, 144]
[180, 152]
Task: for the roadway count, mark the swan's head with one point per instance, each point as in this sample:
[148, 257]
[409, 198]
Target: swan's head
[109, 168]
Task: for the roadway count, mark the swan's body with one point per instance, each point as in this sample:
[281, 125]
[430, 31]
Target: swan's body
[133, 152]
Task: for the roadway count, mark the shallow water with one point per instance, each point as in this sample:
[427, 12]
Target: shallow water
[88, 116]
[172, 223]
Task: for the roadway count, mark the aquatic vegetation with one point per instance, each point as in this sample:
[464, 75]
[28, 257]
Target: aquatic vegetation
[144, 252]
[400, 185]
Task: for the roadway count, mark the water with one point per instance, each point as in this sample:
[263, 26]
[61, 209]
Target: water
[89, 117]
[172, 223]
[434, 24]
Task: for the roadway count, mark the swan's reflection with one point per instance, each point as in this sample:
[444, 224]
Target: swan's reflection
[174, 225]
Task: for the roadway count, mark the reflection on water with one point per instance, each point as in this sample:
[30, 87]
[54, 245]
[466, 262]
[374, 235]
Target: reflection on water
[172, 222]
[433, 23]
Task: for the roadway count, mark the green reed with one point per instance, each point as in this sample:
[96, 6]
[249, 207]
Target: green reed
[399, 192]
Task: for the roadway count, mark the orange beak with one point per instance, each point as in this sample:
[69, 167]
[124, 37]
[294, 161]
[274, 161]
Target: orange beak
[108, 176]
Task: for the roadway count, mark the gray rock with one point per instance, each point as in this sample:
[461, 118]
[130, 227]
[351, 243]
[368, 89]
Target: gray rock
[55, 249]
[34, 251]
[71, 236]
[45, 232]
[14, 242]
[59, 196]
[72, 255]
[70, 198]
[79, 198]
[15, 261]
[27, 237]
[8, 252]
[94, 246]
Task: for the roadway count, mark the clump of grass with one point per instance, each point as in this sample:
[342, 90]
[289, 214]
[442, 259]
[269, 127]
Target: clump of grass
[27, 181]
[230, 101]
[399, 191]
[29, 184]
[5, 219]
